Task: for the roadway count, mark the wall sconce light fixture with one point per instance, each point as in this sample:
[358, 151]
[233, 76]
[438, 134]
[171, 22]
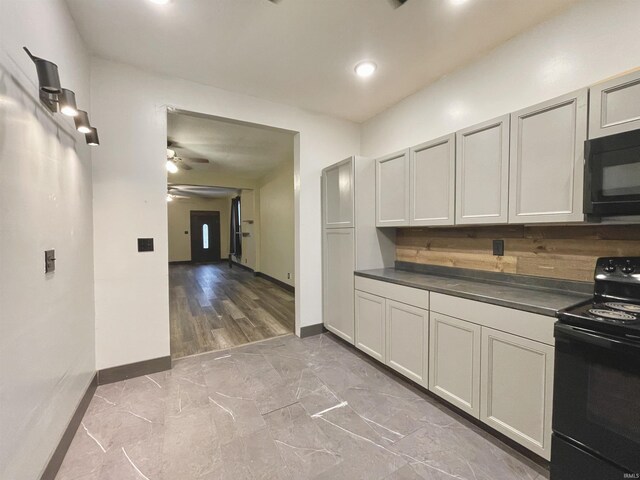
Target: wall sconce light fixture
[62, 100]
[82, 122]
[92, 137]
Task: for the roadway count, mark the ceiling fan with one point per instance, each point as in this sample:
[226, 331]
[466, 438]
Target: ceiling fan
[394, 3]
[180, 161]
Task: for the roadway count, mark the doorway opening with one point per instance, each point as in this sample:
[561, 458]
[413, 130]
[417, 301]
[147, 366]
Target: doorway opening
[230, 202]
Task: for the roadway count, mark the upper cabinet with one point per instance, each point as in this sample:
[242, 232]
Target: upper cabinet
[338, 195]
[432, 187]
[547, 160]
[482, 172]
[614, 106]
[392, 190]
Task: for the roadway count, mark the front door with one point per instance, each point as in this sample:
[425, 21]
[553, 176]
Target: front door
[205, 236]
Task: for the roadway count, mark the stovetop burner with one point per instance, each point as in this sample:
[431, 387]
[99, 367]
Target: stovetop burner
[625, 307]
[615, 306]
[613, 315]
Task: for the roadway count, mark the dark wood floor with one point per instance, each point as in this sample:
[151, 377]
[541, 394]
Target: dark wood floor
[213, 307]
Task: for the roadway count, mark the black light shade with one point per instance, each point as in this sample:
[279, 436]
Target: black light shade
[67, 103]
[47, 74]
[92, 137]
[82, 122]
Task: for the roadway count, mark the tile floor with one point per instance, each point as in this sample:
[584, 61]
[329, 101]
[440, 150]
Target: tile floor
[284, 408]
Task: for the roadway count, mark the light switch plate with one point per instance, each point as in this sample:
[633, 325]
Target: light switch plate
[49, 261]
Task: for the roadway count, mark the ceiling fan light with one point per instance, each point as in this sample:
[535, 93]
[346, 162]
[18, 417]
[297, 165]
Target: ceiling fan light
[81, 121]
[92, 137]
[171, 166]
[169, 197]
[67, 102]
[170, 153]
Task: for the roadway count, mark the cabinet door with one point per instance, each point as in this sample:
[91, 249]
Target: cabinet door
[337, 276]
[547, 161]
[517, 388]
[392, 190]
[338, 195]
[614, 106]
[370, 324]
[433, 182]
[482, 172]
[407, 340]
[454, 361]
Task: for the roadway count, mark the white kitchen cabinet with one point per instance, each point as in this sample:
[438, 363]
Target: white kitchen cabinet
[370, 324]
[407, 340]
[432, 185]
[338, 195]
[337, 277]
[454, 361]
[482, 172]
[392, 190]
[614, 105]
[547, 160]
[517, 388]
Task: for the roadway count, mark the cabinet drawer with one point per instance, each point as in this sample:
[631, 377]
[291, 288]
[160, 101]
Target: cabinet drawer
[525, 324]
[411, 296]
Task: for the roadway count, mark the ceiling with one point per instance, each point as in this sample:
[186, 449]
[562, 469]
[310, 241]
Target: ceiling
[181, 191]
[302, 52]
[233, 148]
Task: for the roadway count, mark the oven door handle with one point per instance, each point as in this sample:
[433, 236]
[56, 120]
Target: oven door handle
[599, 339]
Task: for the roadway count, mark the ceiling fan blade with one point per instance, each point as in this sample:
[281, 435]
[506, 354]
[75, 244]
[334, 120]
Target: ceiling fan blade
[397, 3]
[197, 160]
[172, 143]
[184, 166]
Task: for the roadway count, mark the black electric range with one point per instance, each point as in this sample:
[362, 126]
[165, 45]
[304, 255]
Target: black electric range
[596, 401]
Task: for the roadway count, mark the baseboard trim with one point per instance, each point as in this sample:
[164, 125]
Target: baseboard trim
[280, 283]
[244, 267]
[55, 462]
[132, 370]
[311, 330]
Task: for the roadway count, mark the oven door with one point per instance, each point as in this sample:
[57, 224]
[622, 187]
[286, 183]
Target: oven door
[612, 175]
[596, 400]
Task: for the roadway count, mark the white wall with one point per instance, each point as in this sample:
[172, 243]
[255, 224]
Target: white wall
[590, 42]
[179, 221]
[249, 209]
[277, 238]
[46, 321]
[128, 105]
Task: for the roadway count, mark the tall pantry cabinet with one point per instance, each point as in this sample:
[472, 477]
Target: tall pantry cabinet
[350, 239]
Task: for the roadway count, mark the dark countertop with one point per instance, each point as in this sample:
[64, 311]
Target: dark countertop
[545, 298]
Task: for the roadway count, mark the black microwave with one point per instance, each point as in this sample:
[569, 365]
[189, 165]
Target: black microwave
[612, 175]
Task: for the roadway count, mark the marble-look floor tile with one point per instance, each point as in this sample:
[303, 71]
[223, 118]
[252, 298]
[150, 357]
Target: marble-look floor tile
[282, 409]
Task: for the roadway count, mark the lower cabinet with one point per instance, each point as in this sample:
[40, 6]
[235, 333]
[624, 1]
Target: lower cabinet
[337, 281]
[454, 362]
[407, 345]
[517, 388]
[504, 379]
[370, 325]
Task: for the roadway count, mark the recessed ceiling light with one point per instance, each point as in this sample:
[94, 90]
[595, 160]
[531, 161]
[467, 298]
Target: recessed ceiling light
[365, 69]
[458, 2]
[160, 2]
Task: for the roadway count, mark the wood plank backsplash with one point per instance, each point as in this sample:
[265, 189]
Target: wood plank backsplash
[566, 252]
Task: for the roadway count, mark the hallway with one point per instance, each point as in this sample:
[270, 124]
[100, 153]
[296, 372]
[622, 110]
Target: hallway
[213, 307]
[286, 408]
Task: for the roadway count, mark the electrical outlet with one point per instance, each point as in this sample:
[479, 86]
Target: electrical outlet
[288, 276]
[498, 247]
[49, 261]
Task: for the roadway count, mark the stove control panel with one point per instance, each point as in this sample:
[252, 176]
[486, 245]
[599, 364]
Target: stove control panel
[618, 269]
